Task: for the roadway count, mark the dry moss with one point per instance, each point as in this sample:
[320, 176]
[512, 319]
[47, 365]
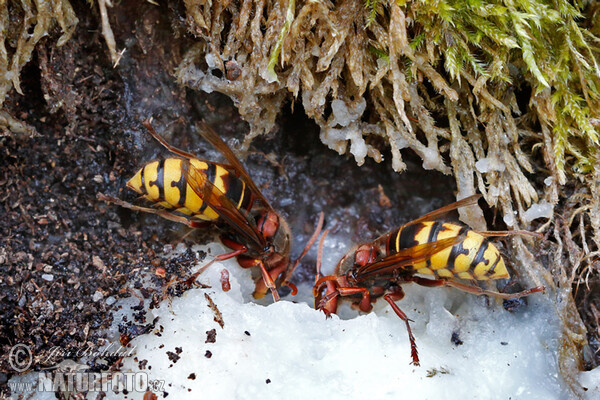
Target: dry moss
[22, 25]
[455, 82]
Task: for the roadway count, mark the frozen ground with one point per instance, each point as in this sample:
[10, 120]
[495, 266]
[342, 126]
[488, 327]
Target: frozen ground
[470, 347]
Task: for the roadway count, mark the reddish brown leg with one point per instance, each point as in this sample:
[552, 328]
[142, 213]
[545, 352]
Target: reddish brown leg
[510, 233]
[311, 241]
[479, 291]
[364, 304]
[329, 307]
[390, 298]
[261, 285]
[476, 290]
[162, 213]
[249, 263]
[221, 257]
[268, 280]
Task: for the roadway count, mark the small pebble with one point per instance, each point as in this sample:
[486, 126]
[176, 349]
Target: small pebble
[98, 295]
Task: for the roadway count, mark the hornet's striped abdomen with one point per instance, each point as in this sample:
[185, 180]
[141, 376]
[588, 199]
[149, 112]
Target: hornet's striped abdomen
[473, 258]
[163, 182]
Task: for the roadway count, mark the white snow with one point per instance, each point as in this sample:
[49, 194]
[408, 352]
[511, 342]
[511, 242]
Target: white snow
[269, 75]
[348, 119]
[509, 218]
[431, 159]
[344, 115]
[212, 60]
[548, 181]
[336, 139]
[540, 210]
[590, 380]
[489, 164]
[302, 354]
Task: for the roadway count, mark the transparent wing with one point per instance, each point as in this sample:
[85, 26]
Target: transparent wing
[409, 256]
[213, 138]
[440, 212]
[222, 205]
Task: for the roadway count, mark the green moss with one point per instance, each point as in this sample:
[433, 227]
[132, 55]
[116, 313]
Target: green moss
[542, 39]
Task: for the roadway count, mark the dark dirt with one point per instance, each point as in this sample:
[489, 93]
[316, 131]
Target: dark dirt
[63, 253]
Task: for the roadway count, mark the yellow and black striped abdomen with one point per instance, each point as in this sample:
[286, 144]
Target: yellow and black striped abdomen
[163, 182]
[473, 258]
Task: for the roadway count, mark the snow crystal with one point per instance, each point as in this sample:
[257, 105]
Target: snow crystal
[591, 381]
[431, 159]
[269, 75]
[489, 164]
[207, 86]
[344, 115]
[48, 277]
[509, 219]
[548, 181]
[212, 60]
[541, 210]
[336, 139]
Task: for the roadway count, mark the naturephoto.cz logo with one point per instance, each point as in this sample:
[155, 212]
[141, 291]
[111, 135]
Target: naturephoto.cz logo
[70, 376]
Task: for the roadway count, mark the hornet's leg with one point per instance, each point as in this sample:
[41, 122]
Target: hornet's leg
[391, 298]
[221, 257]
[364, 305]
[162, 213]
[476, 290]
[261, 285]
[268, 280]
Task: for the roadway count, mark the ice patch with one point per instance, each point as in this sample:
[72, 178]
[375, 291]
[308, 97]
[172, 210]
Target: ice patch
[489, 164]
[590, 380]
[509, 218]
[336, 139]
[469, 346]
[541, 210]
[431, 159]
[213, 61]
[344, 115]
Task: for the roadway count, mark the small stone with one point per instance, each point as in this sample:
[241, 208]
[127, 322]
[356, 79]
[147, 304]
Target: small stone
[97, 262]
[98, 295]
